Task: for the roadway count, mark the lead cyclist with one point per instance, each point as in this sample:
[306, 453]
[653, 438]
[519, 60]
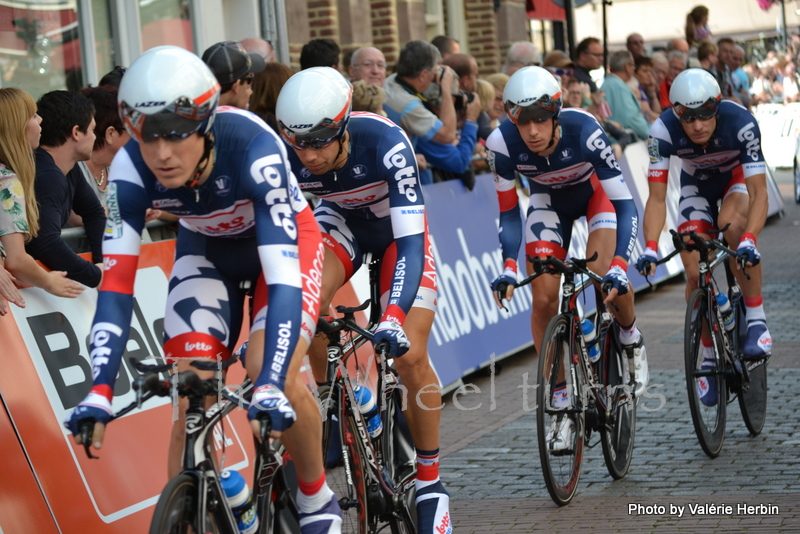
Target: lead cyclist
[225, 173]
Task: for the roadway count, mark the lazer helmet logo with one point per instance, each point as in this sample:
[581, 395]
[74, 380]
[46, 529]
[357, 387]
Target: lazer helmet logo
[150, 104]
[295, 126]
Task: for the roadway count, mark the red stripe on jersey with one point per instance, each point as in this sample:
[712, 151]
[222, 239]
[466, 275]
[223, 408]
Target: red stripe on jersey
[544, 249]
[395, 314]
[701, 227]
[119, 273]
[195, 345]
[507, 199]
[341, 253]
[658, 175]
[104, 390]
[616, 262]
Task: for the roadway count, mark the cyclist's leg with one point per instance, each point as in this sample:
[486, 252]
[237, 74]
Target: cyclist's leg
[204, 312]
[697, 212]
[303, 440]
[342, 259]
[601, 220]
[734, 209]
[547, 232]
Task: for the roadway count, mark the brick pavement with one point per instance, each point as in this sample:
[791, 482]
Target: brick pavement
[489, 452]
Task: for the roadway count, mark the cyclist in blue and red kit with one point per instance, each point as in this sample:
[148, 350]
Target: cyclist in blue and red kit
[573, 173]
[243, 221]
[723, 182]
[363, 169]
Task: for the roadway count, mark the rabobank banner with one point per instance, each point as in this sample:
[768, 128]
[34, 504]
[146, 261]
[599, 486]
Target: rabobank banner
[469, 328]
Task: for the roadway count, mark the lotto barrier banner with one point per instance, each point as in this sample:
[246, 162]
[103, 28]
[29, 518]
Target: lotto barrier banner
[47, 483]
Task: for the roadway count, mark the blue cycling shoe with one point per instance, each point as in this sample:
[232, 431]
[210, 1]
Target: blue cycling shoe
[758, 341]
[433, 509]
[326, 520]
[707, 385]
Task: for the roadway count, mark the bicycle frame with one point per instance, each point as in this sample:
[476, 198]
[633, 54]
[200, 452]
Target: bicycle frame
[199, 460]
[379, 453]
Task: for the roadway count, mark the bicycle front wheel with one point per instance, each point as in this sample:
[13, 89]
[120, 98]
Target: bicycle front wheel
[618, 431]
[705, 385]
[177, 509]
[560, 430]
[346, 469]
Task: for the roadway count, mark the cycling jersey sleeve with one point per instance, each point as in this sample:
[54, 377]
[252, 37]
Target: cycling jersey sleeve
[407, 212]
[505, 184]
[599, 153]
[749, 137]
[274, 191]
[659, 148]
[127, 203]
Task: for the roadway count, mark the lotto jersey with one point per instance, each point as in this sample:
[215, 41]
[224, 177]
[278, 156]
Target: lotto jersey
[582, 150]
[378, 190]
[251, 192]
[735, 142]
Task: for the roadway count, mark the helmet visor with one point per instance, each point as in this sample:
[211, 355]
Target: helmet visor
[540, 110]
[320, 136]
[178, 120]
[704, 112]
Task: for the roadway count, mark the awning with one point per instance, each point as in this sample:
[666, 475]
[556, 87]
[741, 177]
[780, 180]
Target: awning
[544, 10]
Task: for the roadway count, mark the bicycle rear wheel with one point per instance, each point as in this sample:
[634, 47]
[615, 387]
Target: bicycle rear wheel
[177, 509]
[561, 458]
[347, 476]
[708, 414]
[618, 432]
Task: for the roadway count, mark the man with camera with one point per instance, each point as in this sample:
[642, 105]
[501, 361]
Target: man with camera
[429, 121]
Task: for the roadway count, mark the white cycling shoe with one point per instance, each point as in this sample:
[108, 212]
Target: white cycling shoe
[640, 367]
[561, 434]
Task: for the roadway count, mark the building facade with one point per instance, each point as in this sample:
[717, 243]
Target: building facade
[67, 44]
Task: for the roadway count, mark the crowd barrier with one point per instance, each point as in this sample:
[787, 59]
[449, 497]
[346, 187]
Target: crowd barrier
[779, 125]
[48, 485]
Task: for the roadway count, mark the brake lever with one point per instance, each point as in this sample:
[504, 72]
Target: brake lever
[87, 429]
[502, 287]
[742, 260]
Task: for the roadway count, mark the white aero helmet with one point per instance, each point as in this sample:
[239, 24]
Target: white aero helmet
[313, 108]
[532, 94]
[695, 95]
[168, 92]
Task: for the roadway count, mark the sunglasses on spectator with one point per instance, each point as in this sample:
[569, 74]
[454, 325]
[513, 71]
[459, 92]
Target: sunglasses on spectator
[555, 71]
[248, 79]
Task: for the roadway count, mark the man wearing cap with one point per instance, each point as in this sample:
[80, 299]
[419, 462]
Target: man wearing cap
[234, 69]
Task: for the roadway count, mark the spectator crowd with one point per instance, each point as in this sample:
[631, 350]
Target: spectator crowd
[55, 153]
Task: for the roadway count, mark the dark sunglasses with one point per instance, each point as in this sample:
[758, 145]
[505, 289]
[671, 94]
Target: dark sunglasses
[705, 112]
[541, 110]
[555, 71]
[318, 137]
[248, 79]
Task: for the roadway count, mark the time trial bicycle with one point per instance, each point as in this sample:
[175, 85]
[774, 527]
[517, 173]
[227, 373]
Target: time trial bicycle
[373, 477]
[601, 395]
[729, 373]
[193, 501]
